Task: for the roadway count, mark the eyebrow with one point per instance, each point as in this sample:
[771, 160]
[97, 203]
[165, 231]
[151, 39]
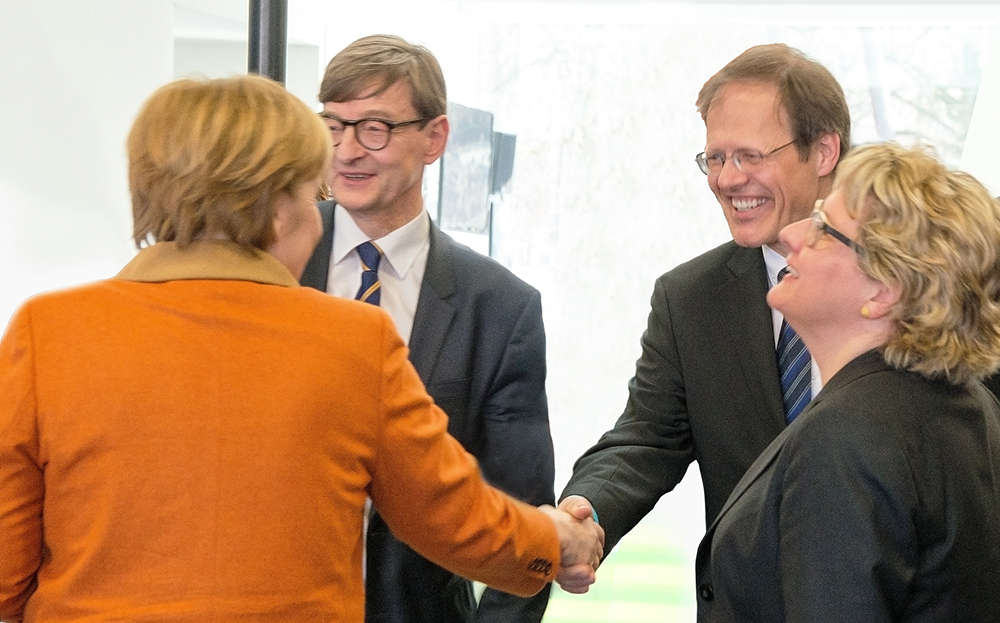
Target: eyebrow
[709, 152]
[368, 113]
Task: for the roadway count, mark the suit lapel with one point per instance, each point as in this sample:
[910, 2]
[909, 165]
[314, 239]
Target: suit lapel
[435, 307]
[756, 470]
[743, 301]
[867, 363]
[317, 271]
[753, 473]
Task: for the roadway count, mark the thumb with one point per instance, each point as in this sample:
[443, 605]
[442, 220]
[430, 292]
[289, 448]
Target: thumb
[582, 510]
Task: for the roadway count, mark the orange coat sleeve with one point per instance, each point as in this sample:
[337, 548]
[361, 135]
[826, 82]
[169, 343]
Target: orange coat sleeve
[21, 485]
[431, 494]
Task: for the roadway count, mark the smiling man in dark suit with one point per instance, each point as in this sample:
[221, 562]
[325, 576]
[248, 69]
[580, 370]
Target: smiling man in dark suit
[474, 329]
[707, 386]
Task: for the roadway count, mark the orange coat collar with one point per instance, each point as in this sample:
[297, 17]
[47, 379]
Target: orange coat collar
[206, 259]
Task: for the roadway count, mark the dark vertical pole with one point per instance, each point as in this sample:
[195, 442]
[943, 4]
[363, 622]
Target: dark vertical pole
[268, 38]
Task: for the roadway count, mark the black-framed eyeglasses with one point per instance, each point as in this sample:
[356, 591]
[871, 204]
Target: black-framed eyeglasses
[818, 225]
[371, 133]
[745, 159]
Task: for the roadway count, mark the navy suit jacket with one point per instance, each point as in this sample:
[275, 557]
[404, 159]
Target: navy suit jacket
[705, 389]
[478, 344]
[880, 503]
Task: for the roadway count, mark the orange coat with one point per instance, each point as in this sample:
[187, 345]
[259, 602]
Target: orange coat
[195, 440]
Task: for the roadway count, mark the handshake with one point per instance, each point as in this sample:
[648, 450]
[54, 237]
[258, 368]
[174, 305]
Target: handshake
[581, 543]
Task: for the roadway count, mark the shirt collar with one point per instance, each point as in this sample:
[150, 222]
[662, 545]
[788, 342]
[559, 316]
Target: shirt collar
[400, 247]
[774, 262]
[206, 259]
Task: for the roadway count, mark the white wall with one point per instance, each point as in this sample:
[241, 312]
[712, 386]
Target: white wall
[74, 75]
[210, 45]
[982, 147]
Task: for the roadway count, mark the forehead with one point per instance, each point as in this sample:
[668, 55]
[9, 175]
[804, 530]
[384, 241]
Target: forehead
[747, 115]
[392, 102]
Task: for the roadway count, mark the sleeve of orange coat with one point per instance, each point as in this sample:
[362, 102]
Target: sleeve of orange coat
[21, 486]
[431, 494]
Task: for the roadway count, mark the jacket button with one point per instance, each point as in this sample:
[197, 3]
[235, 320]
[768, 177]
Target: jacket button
[705, 592]
[541, 566]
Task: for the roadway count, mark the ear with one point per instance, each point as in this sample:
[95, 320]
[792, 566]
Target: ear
[884, 299]
[828, 151]
[437, 133]
[282, 214]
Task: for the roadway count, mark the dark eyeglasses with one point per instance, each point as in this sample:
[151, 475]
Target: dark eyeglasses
[372, 134]
[818, 225]
[745, 160]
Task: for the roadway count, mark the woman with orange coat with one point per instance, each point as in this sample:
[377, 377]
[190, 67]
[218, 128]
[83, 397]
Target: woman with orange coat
[195, 439]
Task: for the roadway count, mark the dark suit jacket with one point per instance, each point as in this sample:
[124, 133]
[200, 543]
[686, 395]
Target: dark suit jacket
[479, 346]
[706, 388]
[880, 503]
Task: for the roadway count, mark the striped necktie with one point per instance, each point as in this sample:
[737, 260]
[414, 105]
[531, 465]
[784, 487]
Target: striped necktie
[795, 365]
[370, 290]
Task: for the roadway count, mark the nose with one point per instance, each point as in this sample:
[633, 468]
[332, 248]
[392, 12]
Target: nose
[349, 149]
[730, 175]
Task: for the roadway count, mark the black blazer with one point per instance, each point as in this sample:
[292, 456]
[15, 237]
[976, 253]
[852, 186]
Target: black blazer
[478, 344]
[705, 389]
[880, 503]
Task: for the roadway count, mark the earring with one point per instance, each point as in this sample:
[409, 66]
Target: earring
[865, 312]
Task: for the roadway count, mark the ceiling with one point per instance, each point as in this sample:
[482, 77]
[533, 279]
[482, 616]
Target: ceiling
[308, 20]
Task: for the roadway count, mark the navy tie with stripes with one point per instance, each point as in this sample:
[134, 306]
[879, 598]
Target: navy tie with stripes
[370, 290]
[795, 365]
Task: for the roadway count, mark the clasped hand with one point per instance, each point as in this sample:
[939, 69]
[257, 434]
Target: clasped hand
[581, 544]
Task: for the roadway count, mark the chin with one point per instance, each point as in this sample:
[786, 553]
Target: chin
[751, 241]
[352, 205]
[771, 300]
[752, 236]
[778, 298]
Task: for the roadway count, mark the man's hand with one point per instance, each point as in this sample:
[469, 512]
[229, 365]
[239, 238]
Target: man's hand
[581, 543]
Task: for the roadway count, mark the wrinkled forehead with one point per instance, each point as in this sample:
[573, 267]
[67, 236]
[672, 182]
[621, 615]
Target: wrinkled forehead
[747, 115]
[374, 99]
[352, 82]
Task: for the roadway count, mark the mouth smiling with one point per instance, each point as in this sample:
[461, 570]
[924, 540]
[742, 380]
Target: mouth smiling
[745, 205]
[356, 177]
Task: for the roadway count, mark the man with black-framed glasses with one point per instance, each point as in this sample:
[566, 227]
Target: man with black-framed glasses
[711, 384]
[474, 329]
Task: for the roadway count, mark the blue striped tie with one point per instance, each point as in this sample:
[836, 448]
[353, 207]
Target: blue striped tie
[370, 290]
[795, 365]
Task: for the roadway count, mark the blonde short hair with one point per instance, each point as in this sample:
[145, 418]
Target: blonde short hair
[936, 234]
[207, 158]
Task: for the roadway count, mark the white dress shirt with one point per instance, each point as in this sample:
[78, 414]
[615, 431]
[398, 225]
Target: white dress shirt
[775, 262]
[400, 271]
